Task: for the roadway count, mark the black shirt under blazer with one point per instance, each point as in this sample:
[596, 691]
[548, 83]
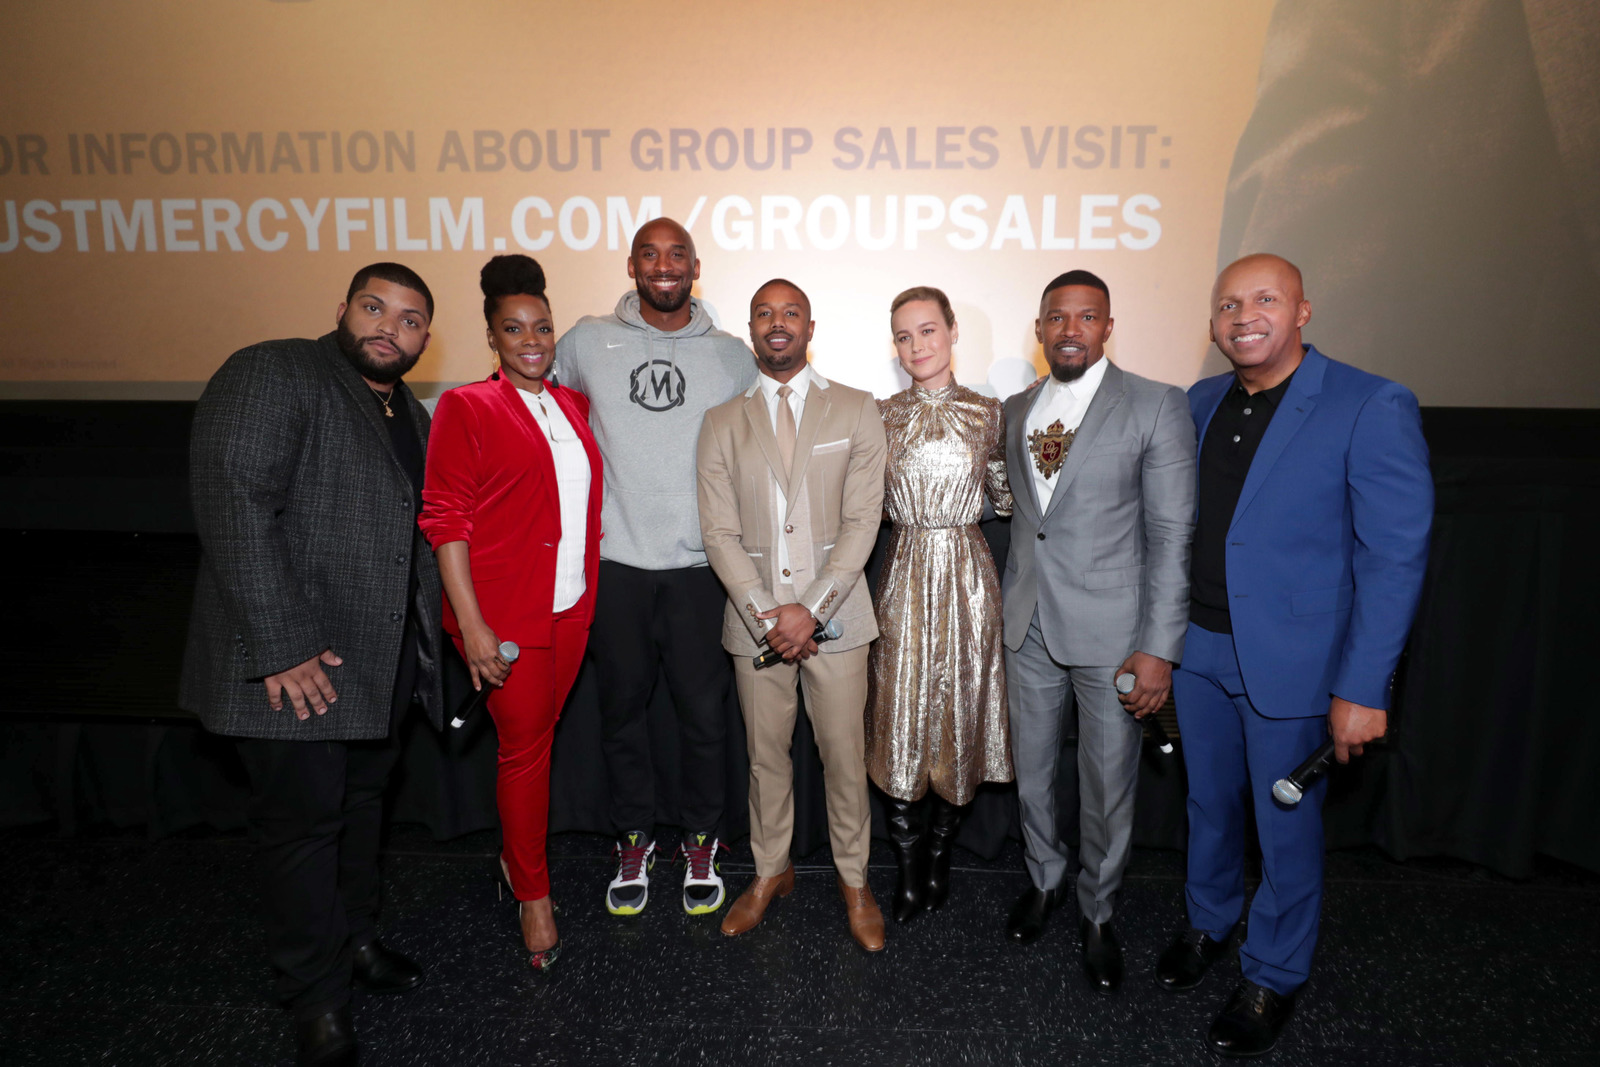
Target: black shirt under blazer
[308, 537]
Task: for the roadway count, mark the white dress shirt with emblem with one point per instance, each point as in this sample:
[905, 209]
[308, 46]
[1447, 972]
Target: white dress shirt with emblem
[572, 486]
[801, 385]
[1066, 402]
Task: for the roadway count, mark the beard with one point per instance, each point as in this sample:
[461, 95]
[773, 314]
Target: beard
[781, 361]
[663, 302]
[382, 371]
[1068, 373]
[778, 363]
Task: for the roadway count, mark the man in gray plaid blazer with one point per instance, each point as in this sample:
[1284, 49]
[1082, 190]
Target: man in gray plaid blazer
[316, 625]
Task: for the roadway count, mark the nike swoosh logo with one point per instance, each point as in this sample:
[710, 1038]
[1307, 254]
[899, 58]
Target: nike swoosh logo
[619, 344]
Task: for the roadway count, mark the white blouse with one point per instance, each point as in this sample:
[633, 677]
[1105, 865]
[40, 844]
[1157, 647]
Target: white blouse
[572, 486]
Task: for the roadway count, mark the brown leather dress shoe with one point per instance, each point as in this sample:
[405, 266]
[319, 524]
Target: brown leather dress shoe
[752, 903]
[866, 921]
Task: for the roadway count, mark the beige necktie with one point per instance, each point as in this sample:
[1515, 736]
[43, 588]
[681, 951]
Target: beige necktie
[786, 429]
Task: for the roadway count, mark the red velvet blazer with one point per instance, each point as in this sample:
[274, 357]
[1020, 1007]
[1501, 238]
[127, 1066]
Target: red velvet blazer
[491, 482]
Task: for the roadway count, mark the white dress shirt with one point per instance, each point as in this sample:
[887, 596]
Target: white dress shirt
[1066, 402]
[572, 486]
[801, 385]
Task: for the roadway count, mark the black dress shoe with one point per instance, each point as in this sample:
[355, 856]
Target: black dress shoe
[1029, 913]
[328, 1040]
[1102, 956]
[377, 969]
[1250, 1023]
[1187, 959]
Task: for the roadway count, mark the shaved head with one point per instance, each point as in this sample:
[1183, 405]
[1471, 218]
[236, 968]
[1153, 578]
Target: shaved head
[664, 267]
[780, 328]
[1258, 306]
[1289, 274]
[803, 300]
[658, 229]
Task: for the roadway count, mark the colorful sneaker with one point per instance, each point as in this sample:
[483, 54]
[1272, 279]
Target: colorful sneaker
[629, 891]
[703, 891]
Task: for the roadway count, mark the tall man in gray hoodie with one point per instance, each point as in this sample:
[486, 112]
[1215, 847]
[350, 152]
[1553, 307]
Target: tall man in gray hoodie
[651, 370]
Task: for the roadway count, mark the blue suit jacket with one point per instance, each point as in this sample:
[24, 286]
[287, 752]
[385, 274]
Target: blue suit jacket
[1329, 540]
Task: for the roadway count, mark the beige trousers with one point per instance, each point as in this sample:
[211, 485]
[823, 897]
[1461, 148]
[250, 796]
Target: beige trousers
[835, 687]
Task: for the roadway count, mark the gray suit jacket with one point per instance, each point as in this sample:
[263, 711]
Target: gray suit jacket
[1107, 566]
[307, 533]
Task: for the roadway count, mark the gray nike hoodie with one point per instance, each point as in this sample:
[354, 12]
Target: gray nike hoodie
[648, 393]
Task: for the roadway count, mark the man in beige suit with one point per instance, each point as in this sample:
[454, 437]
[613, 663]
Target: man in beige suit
[791, 494]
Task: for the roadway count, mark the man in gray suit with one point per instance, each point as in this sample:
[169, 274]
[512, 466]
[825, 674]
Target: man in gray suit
[316, 625]
[1102, 466]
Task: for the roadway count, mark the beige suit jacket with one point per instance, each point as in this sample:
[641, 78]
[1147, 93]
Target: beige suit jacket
[834, 506]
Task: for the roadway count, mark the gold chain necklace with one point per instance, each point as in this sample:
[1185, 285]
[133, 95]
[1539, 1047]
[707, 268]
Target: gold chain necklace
[384, 398]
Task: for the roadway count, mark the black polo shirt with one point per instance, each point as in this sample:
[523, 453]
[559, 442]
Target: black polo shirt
[1230, 445]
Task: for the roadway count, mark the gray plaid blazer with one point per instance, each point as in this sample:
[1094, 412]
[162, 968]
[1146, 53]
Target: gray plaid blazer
[307, 533]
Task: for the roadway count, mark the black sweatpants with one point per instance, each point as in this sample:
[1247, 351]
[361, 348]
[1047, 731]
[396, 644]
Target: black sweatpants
[645, 621]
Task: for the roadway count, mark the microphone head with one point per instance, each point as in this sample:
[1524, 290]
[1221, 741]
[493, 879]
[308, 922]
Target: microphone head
[509, 651]
[1287, 792]
[1125, 683]
[833, 630]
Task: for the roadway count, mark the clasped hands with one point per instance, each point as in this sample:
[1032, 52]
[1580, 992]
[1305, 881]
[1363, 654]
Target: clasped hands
[790, 635]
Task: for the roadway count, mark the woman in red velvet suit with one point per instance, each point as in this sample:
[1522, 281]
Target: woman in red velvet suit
[511, 505]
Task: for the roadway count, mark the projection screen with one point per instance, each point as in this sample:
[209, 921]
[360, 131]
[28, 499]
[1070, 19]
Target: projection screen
[179, 180]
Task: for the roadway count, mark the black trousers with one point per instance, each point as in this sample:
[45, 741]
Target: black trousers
[316, 813]
[646, 622]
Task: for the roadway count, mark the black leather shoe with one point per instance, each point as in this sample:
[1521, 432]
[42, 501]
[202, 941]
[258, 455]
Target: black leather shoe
[1029, 913]
[1250, 1023]
[377, 969]
[942, 830]
[1187, 959]
[328, 1040]
[910, 847]
[1102, 956]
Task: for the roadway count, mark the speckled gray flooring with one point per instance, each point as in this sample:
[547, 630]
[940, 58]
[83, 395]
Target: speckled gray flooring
[115, 950]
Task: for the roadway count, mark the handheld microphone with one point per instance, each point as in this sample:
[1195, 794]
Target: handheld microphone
[1158, 733]
[509, 652]
[822, 633]
[1289, 790]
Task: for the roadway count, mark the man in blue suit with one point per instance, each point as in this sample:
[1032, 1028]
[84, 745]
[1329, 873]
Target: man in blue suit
[1315, 502]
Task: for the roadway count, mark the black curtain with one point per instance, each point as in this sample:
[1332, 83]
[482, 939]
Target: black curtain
[1494, 754]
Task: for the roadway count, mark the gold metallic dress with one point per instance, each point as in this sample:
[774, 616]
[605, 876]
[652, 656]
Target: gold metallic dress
[936, 703]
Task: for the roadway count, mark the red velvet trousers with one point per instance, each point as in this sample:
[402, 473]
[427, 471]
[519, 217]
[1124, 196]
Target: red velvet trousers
[525, 711]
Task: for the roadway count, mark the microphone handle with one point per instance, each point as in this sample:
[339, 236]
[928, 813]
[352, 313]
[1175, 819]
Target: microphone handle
[1289, 790]
[1158, 734]
[1316, 765]
[509, 652]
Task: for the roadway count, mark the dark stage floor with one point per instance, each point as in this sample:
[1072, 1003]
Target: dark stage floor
[117, 950]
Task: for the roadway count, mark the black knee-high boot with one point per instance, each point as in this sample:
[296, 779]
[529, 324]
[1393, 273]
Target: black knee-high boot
[906, 838]
[941, 842]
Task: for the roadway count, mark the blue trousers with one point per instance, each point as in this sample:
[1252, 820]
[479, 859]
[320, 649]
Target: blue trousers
[1233, 754]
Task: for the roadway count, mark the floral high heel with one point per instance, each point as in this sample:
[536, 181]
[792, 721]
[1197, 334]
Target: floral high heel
[543, 959]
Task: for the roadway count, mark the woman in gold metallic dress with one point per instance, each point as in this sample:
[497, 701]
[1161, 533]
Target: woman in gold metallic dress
[936, 704]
